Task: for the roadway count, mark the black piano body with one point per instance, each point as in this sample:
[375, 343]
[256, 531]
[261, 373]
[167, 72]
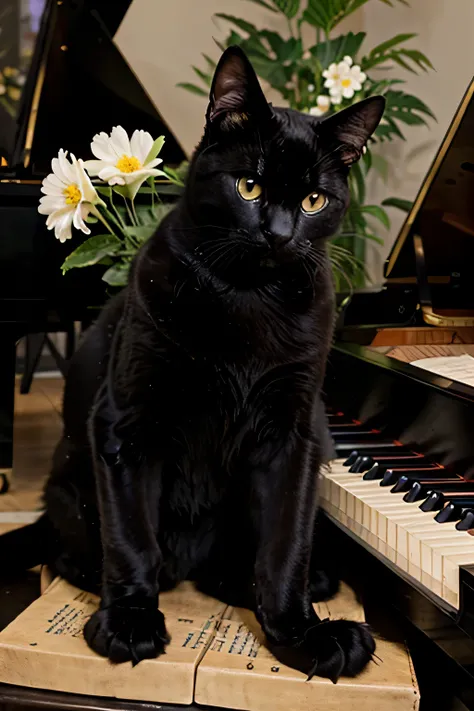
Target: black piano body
[425, 308]
[77, 84]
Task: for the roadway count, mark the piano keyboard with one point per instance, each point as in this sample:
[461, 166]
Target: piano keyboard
[409, 509]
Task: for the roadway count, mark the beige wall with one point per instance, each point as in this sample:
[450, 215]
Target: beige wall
[161, 41]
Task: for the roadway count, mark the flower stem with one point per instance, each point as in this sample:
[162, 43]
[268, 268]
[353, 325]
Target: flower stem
[132, 219]
[122, 223]
[135, 212]
[95, 211]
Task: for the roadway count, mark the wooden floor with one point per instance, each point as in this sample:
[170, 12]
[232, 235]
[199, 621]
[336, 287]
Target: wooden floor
[37, 430]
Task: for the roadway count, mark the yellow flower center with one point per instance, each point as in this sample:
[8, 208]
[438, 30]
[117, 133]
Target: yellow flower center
[346, 83]
[335, 77]
[128, 164]
[73, 194]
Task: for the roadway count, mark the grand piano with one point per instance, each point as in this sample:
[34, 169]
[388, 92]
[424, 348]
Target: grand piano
[77, 83]
[399, 497]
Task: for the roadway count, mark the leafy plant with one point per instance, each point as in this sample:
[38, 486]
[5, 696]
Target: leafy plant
[325, 76]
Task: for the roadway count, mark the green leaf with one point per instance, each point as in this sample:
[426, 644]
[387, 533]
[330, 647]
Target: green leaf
[263, 4]
[206, 78]
[335, 49]
[317, 15]
[388, 44]
[107, 191]
[285, 50]
[210, 62]
[404, 205]
[380, 164]
[238, 22]
[155, 149]
[418, 57]
[357, 181]
[193, 88]
[92, 251]
[117, 275]
[141, 232]
[402, 102]
[173, 175]
[288, 7]
[377, 212]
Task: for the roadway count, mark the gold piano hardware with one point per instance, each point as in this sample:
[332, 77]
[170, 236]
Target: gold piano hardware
[442, 317]
[398, 533]
[34, 114]
[64, 48]
[3, 162]
[16, 181]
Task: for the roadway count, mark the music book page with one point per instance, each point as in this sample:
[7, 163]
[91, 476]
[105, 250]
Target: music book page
[460, 368]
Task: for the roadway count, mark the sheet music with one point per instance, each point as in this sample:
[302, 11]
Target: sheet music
[460, 368]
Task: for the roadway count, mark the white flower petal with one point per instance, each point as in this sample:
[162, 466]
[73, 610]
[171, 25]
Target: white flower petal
[66, 167]
[348, 92]
[88, 192]
[101, 147]
[348, 60]
[51, 203]
[315, 111]
[93, 167]
[78, 219]
[153, 163]
[141, 145]
[62, 229]
[120, 141]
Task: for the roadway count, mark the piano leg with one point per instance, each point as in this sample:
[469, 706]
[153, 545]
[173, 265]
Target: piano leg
[7, 401]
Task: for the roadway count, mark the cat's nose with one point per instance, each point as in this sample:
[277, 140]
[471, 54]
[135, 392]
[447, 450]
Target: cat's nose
[276, 239]
[277, 226]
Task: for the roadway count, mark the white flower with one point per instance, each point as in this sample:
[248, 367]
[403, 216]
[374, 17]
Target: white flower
[343, 80]
[69, 196]
[323, 104]
[334, 73]
[311, 88]
[124, 161]
[352, 82]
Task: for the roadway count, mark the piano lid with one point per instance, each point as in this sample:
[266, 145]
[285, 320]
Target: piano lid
[441, 222]
[66, 81]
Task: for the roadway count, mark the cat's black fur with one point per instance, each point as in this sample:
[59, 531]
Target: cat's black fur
[193, 425]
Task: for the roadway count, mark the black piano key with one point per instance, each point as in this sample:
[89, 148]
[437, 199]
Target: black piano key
[375, 472]
[390, 477]
[434, 502]
[466, 523]
[361, 464]
[430, 480]
[451, 512]
[418, 488]
[377, 452]
[455, 506]
[351, 458]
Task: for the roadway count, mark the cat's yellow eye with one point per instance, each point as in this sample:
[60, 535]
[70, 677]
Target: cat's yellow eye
[249, 189]
[314, 202]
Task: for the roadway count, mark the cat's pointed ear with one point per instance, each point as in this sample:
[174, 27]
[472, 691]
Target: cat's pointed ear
[352, 127]
[236, 95]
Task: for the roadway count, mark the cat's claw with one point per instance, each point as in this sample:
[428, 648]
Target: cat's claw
[125, 634]
[330, 649]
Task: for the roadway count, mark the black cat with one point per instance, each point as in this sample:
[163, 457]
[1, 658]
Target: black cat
[193, 426]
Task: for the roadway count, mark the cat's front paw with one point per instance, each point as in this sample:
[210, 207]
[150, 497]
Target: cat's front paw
[330, 649]
[125, 633]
